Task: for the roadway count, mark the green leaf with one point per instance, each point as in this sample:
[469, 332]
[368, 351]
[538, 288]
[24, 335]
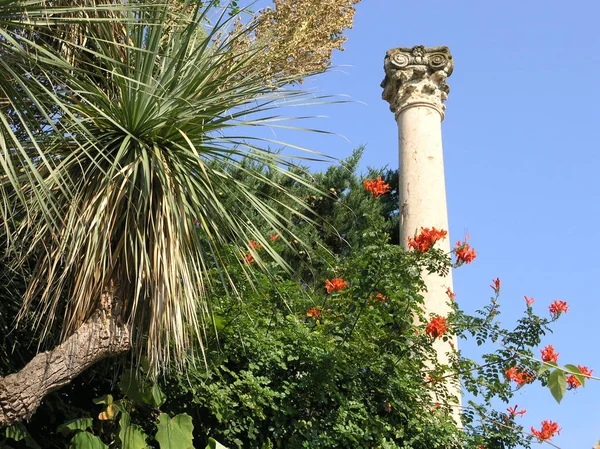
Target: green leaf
[557, 384]
[213, 444]
[106, 399]
[543, 368]
[74, 425]
[18, 432]
[176, 432]
[132, 436]
[135, 389]
[572, 369]
[158, 396]
[85, 440]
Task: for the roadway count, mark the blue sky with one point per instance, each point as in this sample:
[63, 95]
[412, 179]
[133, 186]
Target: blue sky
[521, 152]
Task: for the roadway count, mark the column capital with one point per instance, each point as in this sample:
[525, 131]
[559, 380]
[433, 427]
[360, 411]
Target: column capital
[417, 77]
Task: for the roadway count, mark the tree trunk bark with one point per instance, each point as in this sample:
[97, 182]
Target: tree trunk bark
[102, 335]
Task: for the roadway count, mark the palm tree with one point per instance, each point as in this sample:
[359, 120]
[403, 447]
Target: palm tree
[111, 121]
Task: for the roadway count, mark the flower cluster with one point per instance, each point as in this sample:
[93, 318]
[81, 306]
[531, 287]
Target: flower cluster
[573, 382]
[313, 313]
[548, 430]
[426, 239]
[335, 285]
[512, 411]
[254, 245]
[496, 285]
[558, 307]
[377, 186]
[548, 354]
[436, 327]
[464, 253]
[379, 298]
[520, 377]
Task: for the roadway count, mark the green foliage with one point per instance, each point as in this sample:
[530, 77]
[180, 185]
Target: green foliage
[294, 366]
[174, 433]
[86, 440]
[18, 432]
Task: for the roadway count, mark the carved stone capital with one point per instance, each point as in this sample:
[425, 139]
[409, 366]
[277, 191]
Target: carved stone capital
[417, 77]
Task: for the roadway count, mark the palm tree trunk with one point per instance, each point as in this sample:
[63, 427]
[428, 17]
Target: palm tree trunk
[102, 335]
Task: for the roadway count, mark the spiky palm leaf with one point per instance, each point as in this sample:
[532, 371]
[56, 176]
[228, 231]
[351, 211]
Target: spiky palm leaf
[133, 197]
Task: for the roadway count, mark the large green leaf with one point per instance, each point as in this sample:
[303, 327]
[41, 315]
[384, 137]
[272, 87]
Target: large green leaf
[131, 435]
[18, 432]
[85, 440]
[214, 444]
[136, 388]
[176, 432]
[557, 384]
[72, 426]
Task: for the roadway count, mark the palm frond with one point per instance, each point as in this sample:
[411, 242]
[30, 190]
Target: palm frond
[135, 172]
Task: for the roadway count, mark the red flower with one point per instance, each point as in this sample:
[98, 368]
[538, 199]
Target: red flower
[314, 313]
[548, 354]
[377, 186]
[558, 307]
[426, 239]
[335, 284]
[573, 382]
[450, 294]
[274, 237]
[529, 301]
[378, 297]
[254, 245]
[249, 259]
[464, 253]
[513, 411]
[436, 327]
[196, 223]
[496, 285]
[520, 377]
[548, 430]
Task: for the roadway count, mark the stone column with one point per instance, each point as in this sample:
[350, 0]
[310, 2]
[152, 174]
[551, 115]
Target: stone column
[415, 86]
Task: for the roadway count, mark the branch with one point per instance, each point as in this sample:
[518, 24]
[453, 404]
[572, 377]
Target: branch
[102, 335]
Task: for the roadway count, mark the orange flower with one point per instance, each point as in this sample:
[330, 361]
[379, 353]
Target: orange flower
[335, 285]
[573, 382]
[274, 237]
[450, 294]
[548, 430]
[436, 327]
[513, 411]
[558, 307]
[377, 186]
[255, 245]
[314, 313]
[426, 239]
[378, 297]
[464, 253]
[548, 354]
[529, 301]
[520, 377]
[249, 259]
[496, 285]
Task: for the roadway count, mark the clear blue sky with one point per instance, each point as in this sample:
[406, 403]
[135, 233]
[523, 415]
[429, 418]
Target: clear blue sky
[521, 139]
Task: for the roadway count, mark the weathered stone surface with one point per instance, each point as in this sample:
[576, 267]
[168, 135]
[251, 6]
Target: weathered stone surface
[417, 76]
[415, 86]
